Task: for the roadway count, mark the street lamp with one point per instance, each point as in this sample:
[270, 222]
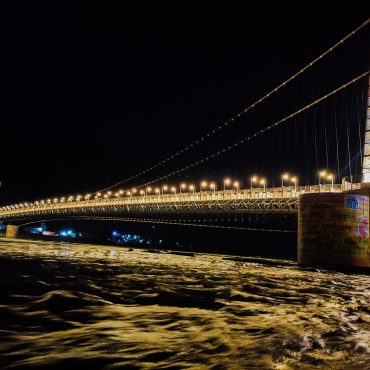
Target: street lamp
[164, 188]
[157, 191]
[322, 174]
[142, 192]
[253, 179]
[213, 186]
[331, 178]
[294, 180]
[182, 186]
[263, 182]
[237, 186]
[285, 177]
[227, 182]
[203, 184]
[148, 190]
[134, 191]
[192, 188]
[173, 189]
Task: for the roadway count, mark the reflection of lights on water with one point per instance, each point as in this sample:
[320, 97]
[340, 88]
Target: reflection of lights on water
[68, 233]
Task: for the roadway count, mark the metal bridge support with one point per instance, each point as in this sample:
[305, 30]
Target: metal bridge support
[11, 231]
[333, 230]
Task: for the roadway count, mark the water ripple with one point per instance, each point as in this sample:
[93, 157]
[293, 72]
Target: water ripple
[75, 306]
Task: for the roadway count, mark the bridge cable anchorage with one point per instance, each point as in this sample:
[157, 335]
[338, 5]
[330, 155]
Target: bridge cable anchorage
[258, 133]
[238, 115]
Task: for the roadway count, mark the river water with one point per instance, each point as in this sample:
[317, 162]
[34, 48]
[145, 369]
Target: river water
[70, 306]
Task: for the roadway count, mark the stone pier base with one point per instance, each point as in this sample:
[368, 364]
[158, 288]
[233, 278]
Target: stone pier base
[333, 230]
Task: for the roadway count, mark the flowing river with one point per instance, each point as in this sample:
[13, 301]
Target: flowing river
[74, 306]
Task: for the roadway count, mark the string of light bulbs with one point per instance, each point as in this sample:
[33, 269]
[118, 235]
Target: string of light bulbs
[258, 133]
[237, 116]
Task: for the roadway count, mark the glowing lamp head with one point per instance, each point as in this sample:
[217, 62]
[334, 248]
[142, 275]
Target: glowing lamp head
[263, 181]
[183, 186]
[227, 181]
[212, 185]
[285, 176]
[254, 178]
[203, 184]
[236, 184]
[322, 173]
[191, 187]
[173, 189]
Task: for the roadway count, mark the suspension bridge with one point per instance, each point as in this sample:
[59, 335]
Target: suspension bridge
[147, 201]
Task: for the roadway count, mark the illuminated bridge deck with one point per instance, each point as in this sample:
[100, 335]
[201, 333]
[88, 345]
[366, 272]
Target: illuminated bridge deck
[273, 200]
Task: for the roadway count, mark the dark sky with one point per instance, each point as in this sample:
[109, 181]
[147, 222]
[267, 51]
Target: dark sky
[91, 94]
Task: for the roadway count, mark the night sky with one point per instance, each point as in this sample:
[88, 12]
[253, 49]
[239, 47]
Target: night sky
[91, 94]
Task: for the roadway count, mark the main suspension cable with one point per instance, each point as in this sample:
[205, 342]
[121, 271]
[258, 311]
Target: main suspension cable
[237, 116]
[258, 133]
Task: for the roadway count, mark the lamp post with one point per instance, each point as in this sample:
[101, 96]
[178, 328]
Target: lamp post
[148, 190]
[227, 182]
[164, 188]
[213, 187]
[331, 178]
[192, 188]
[322, 174]
[182, 186]
[173, 190]
[294, 181]
[157, 191]
[284, 176]
[237, 186]
[253, 179]
[203, 184]
[263, 182]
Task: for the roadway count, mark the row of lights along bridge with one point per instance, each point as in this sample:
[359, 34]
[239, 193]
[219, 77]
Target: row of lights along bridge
[228, 184]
